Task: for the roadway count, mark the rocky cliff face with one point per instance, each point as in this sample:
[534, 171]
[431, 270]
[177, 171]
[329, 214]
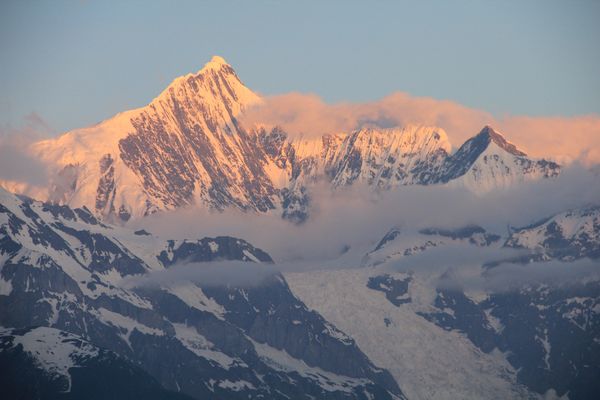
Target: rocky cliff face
[187, 147]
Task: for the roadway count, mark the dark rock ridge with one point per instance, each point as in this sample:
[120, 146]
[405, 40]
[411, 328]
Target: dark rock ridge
[391, 235]
[62, 269]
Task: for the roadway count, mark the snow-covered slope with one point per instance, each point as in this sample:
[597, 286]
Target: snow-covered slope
[389, 157]
[568, 236]
[54, 364]
[187, 148]
[329, 334]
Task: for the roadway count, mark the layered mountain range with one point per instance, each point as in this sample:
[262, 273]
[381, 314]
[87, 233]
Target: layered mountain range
[187, 147]
[420, 312]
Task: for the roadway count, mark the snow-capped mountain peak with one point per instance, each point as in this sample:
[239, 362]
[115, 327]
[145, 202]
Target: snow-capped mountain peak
[216, 84]
[186, 147]
[488, 161]
[216, 62]
[489, 135]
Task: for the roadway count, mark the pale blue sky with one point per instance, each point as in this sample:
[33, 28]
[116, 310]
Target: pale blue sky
[77, 62]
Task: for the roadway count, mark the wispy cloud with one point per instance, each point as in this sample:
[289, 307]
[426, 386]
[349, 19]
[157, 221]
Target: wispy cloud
[218, 273]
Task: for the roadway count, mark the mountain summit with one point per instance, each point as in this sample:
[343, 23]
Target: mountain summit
[187, 148]
[216, 83]
[217, 61]
[488, 161]
[488, 134]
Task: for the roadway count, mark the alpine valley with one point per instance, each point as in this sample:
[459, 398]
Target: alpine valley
[92, 306]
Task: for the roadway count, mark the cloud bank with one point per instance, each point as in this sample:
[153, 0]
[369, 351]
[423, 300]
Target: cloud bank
[459, 267]
[563, 139]
[354, 219]
[18, 168]
[218, 273]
